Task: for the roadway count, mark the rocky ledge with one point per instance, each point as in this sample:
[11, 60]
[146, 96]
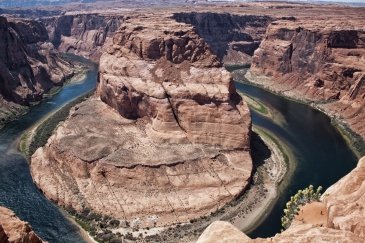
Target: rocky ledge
[320, 60]
[343, 202]
[14, 230]
[165, 140]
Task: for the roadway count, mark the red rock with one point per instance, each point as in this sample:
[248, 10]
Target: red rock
[14, 230]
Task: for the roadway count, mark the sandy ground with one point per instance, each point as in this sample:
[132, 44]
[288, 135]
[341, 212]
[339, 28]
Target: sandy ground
[313, 213]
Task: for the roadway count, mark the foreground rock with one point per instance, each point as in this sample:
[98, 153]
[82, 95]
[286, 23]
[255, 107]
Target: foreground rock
[316, 60]
[29, 66]
[166, 142]
[345, 223]
[14, 230]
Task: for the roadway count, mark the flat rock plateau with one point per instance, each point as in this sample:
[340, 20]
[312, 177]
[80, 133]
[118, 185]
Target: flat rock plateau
[164, 140]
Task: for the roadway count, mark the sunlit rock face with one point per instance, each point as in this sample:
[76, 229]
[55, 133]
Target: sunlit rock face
[165, 139]
[317, 60]
[14, 230]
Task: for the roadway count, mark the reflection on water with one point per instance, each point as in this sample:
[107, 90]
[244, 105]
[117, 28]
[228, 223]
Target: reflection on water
[17, 190]
[321, 154]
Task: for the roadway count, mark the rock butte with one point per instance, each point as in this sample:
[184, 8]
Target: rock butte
[344, 202]
[168, 139]
[14, 230]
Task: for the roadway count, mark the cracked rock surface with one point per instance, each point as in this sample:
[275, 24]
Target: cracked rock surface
[165, 139]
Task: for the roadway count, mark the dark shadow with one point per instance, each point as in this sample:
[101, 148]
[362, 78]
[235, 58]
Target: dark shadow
[259, 151]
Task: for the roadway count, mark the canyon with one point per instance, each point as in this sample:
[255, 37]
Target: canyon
[319, 61]
[166, 138]
[81, 34]
[29, 64]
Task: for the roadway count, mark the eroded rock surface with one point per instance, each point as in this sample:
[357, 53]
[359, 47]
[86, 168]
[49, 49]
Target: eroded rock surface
[165, 140]
[82, 34]
[14, 230]
[29, 65]
[233, 38]
[345, 201]
[317, 60]
[345, 205]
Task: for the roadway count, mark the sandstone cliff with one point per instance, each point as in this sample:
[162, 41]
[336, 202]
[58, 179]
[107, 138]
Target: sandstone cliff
[317, 60]
[345, 223]
[29, 65]
[233, 38]
[167, 141]
[82, 34]
[14, 230]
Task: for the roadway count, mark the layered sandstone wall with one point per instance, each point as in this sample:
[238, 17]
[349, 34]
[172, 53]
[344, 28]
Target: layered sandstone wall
[166, 139]
[14, 230]
[345, 223]
[82, 34]
[29, 65]
[233, 38]
[172, 77]
[316, 60]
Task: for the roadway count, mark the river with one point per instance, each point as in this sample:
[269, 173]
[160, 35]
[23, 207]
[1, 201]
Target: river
[17, 190]
[321, 155]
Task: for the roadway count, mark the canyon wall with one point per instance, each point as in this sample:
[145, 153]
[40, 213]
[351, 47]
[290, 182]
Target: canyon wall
[82, 34]
[233, 38]
[165, 140]
[29, 65]
[345, 217]
[14, 230]
[321, 61]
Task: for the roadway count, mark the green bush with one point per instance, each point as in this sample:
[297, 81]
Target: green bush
[301, 198]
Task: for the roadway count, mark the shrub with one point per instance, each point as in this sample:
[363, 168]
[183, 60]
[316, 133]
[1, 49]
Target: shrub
[301, 198]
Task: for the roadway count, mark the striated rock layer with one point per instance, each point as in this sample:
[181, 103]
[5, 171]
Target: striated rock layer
[168, 139]
[233, 38]
[82, 34]
[29, 65]
[344, 201]
[14, 230]
[317, 60]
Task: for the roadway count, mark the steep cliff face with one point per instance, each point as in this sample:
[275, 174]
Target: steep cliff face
[345, 223]
[167, 141]
[83, 34]
[233, 38]
[317, 61]
[14, 230]
[29, 66]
